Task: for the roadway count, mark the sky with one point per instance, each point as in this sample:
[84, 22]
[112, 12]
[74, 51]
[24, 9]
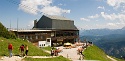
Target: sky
[87, 14]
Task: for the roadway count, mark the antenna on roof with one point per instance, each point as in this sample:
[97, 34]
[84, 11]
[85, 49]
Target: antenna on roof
[63, 14]
[17, 28]
[17, 24]
[10, 24]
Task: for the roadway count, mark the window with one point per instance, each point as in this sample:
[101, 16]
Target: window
[41, 37]
[22, 36]
[48, 40]
[26, 37]
[31, 37]
[36, 37]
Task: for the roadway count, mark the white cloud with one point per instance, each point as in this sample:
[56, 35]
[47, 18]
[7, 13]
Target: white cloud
[101, 7]
[96, 20]
[115, 3]
[109, 16]
[112, 2]
[54, 10]
[122, 11]
[60, 4]
[117, 23]
[119, 17]
[96, 24]
[84, 19]
[95, 16]
[99, 26]
[118, 20]
[107, 25]
[44, 6]
[90, 17]
[111, 24]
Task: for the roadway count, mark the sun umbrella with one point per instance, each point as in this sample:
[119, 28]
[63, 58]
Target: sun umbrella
[67, 44]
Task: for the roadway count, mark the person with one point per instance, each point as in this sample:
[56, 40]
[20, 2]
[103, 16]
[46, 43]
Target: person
[80, 51]
[22, 50]
[52, 51]
[26, 52]
[10, 48]
[56, 52]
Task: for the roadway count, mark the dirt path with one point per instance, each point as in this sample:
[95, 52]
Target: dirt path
[14, 58]
[111, 58]
[70, 53]
[17, 58]
[42, 56]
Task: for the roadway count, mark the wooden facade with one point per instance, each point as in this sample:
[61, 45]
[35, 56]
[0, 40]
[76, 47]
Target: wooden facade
[57, 36]
[59, 29]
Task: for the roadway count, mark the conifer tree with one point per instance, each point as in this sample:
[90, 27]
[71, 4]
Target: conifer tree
[5, 33]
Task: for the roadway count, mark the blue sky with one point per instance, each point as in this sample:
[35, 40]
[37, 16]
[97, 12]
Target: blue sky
[87, 14]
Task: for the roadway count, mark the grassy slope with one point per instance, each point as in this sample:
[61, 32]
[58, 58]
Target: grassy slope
[48, 59]
[47, 48]
[118, 59]
[33, 51]
[94, 53]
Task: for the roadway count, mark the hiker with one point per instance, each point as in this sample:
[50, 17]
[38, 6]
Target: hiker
[80, 50]
[59, 50]
[26, 52]
[56, 52]
[10, 48]
[22, 50]
[52, 51]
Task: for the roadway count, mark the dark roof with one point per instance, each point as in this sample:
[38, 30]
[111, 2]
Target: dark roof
[57, 17]
[55, 22]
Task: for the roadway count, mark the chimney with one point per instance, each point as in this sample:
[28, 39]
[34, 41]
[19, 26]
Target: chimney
[35, 23]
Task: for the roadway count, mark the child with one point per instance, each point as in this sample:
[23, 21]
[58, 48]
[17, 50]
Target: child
[22, 50]
[10, 48]
[26, 52]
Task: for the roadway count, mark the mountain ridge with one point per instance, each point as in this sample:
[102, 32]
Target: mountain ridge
[101, 32]
[112, 43]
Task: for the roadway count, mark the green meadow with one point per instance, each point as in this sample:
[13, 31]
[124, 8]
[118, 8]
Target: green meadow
[60, 58]
[33, 50]
[95, 53]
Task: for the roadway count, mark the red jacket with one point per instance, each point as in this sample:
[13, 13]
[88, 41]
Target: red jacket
[10, 46]
[22, 48]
